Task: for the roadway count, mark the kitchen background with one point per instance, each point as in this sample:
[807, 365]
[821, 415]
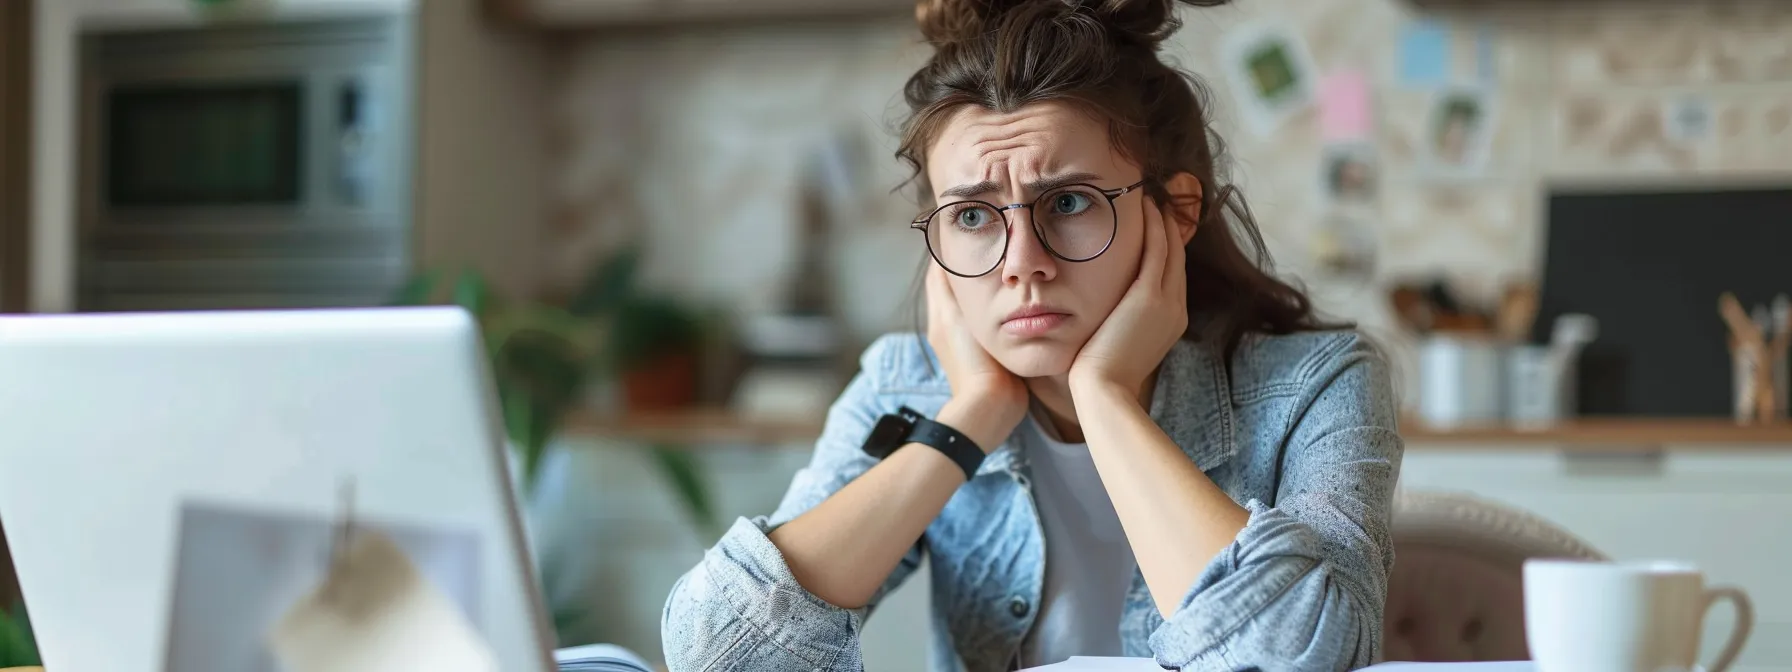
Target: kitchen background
[551, 134]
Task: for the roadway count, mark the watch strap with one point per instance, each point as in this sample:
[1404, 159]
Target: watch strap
[954, 444]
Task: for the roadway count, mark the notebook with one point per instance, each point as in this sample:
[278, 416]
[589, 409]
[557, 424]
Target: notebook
[599, 658]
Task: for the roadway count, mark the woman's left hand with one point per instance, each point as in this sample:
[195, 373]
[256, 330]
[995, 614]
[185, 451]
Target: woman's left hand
[1150, 318]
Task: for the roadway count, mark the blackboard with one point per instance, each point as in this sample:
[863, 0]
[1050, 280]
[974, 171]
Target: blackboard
[1650, 266]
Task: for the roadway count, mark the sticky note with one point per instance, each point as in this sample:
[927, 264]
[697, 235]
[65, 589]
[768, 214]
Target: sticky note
[1345, 110]
[1425, 54]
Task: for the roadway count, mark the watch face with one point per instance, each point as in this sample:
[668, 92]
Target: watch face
[886, 436]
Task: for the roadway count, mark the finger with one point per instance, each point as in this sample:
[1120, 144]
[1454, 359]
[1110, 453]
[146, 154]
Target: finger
[935, 297]
[1176, 280]
[939, 290]
[1151, 265]
[942, 304]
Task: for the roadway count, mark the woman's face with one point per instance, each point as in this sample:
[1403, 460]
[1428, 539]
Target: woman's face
[1034, 311]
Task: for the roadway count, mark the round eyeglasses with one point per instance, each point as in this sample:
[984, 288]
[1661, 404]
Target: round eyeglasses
[1074, 222]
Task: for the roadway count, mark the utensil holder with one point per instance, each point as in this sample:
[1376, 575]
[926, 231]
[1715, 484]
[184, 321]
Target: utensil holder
[1758, 384]
[1540, 385]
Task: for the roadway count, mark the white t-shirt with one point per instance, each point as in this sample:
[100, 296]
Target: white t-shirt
[1088, 564]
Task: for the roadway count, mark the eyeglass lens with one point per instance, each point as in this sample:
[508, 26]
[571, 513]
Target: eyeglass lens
[969, 238]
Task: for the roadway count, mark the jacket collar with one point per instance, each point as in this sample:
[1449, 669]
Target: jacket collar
[1192, 403]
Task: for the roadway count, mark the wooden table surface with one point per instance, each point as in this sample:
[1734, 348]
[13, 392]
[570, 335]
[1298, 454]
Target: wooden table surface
[714, 426]
[1614, 433]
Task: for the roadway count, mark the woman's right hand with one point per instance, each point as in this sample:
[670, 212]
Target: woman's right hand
[987, 399]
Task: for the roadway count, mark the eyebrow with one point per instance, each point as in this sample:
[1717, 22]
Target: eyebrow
[1036, 186]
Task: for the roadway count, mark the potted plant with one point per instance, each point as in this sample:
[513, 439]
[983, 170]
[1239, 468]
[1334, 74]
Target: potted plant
[657, 343]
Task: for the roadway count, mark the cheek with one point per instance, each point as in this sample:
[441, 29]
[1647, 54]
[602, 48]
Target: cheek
[1112, 273]
[1107, 286]
[975, 296]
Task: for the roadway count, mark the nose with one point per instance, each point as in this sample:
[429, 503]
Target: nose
[1027, 258]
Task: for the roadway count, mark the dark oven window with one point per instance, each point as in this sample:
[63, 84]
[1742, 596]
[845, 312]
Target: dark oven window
[204, 145]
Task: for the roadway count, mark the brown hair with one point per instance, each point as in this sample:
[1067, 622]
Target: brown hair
[1101, 55]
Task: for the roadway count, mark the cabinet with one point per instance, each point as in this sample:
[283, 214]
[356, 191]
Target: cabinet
[602, 13]
[1722, 507]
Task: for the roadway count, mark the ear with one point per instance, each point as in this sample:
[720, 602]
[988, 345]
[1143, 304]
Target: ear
[1186, 198]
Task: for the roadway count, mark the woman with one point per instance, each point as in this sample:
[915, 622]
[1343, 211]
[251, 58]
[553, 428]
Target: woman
[1120, 437]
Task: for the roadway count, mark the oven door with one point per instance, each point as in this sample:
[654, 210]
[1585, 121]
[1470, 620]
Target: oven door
[196, 145]
[243, 167]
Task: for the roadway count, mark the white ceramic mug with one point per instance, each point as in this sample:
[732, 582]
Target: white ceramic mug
[1623, 617]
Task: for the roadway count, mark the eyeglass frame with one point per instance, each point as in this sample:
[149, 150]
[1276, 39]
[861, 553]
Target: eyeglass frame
[921, 223]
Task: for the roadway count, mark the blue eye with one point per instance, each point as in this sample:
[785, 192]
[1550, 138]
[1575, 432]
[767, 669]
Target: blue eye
[1070, 203]
[970, 218]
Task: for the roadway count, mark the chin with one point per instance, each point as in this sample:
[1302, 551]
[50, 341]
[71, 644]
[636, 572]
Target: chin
[1036, 359]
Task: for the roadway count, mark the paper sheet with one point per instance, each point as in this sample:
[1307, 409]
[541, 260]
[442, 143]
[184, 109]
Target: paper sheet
[1503, 666]
[1091, 664]
[1100, 664]
[375, 612]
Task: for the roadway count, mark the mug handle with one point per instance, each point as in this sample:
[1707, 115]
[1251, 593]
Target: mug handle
[1745, 622]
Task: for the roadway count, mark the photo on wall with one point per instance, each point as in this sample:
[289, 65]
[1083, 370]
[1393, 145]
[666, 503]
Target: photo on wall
[1271, 74]
[1458, 133]
[1348, 172]
[1345, 244]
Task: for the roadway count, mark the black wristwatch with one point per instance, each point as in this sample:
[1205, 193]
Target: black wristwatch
[907, 426]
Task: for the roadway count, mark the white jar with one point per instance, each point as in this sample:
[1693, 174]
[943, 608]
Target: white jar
[1460, 380]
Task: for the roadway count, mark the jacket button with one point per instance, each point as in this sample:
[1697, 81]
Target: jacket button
[1019, 607]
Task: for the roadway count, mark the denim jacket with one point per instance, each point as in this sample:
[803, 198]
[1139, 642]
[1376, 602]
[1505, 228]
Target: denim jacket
[1299, 429]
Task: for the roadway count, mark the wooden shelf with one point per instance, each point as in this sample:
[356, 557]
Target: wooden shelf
[693, 426]
[1618, 434]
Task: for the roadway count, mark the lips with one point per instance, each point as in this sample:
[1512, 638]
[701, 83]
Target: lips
[1034, 320]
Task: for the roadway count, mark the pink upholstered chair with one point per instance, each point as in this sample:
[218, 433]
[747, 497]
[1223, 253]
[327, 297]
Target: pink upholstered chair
[1457, 590]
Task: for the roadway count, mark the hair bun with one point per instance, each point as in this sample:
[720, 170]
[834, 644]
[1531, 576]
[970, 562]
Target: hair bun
[1146, 22]
[946, 21]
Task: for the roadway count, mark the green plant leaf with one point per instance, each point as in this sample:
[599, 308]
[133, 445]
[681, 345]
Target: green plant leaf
[540, 376]
[522, 425]
[567, 619]
[419, 290]
[607, 285]
[17, 647]
[646, 327]
[686, 477]
[566, 606]
[473, 292]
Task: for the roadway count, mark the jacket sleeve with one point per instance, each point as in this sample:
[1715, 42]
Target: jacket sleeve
[740, 607]
[1304, 584]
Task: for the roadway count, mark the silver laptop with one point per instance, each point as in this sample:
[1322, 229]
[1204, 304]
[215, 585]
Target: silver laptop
[169, 483]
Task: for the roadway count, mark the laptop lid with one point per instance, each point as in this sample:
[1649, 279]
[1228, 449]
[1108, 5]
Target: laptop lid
[169, 482]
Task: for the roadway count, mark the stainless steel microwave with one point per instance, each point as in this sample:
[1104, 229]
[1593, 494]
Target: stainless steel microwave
[244, 166]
